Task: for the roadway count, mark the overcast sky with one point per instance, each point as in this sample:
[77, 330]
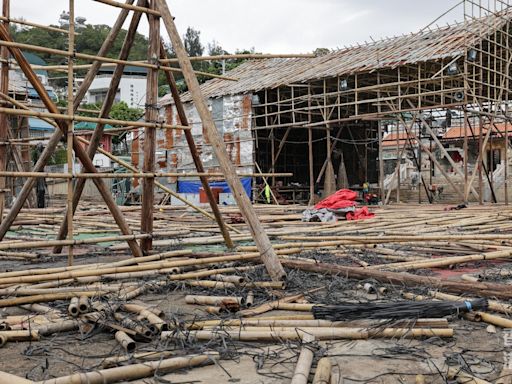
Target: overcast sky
[270, 26]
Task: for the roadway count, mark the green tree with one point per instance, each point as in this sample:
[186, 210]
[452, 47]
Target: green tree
[121, 111]
[215, 49]
[192, 41]
[321, 51]
[88, 41]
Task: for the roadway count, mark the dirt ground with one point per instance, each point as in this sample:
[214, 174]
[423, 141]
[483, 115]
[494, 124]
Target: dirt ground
[365, 361]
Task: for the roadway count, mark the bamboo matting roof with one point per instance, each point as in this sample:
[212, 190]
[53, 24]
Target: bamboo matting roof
[427, 45]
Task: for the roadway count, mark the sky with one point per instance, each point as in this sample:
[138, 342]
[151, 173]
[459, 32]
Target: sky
[270, 26]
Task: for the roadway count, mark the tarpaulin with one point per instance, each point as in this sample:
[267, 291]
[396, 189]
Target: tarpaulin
[340, 204]
[343, 198]
[193, 186]
[360, 214]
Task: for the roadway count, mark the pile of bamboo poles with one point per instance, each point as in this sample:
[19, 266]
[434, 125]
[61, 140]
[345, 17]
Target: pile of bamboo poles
[110, 291]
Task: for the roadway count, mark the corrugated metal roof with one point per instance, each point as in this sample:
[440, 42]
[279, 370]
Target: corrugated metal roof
[36, 124]
[427, 45]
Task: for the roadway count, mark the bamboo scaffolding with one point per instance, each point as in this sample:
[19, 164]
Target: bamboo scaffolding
[74, 195]
[195, 155]
[415, 236]
[261, 239]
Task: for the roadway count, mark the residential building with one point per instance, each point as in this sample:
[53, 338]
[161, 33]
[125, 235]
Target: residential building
[131, 90]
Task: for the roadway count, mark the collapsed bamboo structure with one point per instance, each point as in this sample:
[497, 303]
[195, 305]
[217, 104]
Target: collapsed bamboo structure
[151, 285]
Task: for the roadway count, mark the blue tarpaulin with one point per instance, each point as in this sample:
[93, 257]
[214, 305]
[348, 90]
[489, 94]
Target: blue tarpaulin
[32, 94]
[36, 124]
[193, 186]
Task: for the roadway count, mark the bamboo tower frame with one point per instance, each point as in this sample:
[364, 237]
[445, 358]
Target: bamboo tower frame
[380, 82]
[156, 11]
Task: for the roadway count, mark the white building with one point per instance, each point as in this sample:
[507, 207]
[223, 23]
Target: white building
[132, 88]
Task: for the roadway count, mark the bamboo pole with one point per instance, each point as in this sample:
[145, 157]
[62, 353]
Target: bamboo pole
[308, 322]
[4, 88]
[249, 300]
[73, 308]
[113, 361]
[135, 371]
[99, 175]
[70, 117]
[58, 52]
[149, 11]
[408, 238]
[32, 24]
[148, 185]
[46, 298]
[20, 335]
[7, 378]
[481, 289]
[57, 327]
[68, 219]
[52, 243]
[303, 367]
[83, 304]
[213, 300]
[125, 341]
[491, 319]
[229, 279]
[323, 371]
[248, 56]
[261, 239]
[260, 334]
[454, 260]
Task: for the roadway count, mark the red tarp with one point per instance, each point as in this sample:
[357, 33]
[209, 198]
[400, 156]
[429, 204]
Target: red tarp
[345, 198]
